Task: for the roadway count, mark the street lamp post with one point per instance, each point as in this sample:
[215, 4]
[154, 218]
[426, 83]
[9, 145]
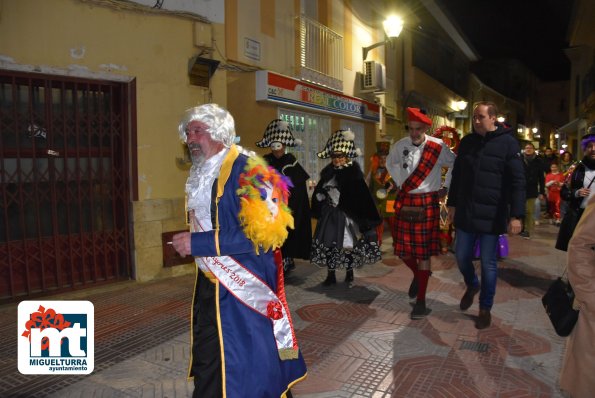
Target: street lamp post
[393, 26]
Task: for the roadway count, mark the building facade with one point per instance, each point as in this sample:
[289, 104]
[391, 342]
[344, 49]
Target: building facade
[91, 92]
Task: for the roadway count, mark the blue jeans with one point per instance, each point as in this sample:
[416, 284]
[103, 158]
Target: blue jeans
[488, 246]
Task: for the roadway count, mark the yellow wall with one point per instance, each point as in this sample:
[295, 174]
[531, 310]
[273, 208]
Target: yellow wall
[92, 41]
[152, 49]
[273, 28]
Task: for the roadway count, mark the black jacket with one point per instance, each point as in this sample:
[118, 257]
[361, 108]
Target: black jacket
[534, 177]
[575, 212]
[576, 182]
[488, 182]
[355, 200]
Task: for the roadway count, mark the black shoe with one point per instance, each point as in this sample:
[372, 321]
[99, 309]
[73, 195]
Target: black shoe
[484, 319]
[413, 288]
[331, 279]
[525, 235]
[419, 310]
[288, 265]
[349, 276]
[467, 299]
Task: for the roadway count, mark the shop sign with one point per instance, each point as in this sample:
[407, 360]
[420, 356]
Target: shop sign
[274, 87]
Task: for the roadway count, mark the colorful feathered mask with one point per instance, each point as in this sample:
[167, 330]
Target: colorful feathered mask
[264, 214]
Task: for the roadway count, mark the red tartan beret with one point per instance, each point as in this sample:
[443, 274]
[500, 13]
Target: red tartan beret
[415, 115]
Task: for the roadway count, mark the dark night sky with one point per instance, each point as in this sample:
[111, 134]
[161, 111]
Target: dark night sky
[533, 31]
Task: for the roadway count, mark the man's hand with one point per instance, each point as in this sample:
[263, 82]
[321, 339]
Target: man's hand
[515, 226]
[181, 242]
[451, 214]
[582, 192]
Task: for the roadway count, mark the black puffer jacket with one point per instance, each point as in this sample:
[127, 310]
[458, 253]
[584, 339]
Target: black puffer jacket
[488, 182]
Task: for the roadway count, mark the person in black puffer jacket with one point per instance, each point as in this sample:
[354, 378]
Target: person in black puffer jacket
[487, 196]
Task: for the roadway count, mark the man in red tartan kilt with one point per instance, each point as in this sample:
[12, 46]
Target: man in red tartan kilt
[415, 163]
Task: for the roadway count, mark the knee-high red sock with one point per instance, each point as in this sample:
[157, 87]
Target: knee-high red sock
[422, 283]
[411, 262]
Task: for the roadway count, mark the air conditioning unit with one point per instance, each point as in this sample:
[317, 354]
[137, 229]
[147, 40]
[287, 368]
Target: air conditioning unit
[372, 77]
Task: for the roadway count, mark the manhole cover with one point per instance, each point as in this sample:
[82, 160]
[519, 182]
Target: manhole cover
[474, 346]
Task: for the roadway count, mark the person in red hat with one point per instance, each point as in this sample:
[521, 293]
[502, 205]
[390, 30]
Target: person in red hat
[415, 164]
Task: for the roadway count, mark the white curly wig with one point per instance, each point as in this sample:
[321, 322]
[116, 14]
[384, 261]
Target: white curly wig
[219, 120]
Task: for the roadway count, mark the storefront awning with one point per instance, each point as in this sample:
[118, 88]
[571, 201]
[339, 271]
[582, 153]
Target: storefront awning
[574, 125]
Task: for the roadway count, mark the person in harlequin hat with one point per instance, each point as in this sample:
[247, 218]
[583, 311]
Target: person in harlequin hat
[345, 234]
[382, 188]
[578, 190]
[277, 136]
[238, 217]
[415, 164]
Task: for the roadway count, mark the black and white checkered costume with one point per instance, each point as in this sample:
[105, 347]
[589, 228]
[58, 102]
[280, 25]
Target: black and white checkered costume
[340, 141]
[278, 131]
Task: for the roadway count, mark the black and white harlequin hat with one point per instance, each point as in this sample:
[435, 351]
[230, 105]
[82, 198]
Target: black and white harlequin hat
[340, 141]
[278, 131]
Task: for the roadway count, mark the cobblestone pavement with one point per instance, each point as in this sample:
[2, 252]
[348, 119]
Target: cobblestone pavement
[357, 342]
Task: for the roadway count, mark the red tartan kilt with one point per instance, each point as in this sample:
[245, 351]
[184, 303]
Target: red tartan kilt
[418, 239]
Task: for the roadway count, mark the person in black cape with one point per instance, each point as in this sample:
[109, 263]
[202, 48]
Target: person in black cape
[277, 136]
[345, 235]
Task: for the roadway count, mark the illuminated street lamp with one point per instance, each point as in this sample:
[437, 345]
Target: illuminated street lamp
[393, 26]
[458, 106]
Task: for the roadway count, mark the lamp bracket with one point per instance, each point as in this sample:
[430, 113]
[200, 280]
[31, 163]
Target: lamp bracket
[366, 50]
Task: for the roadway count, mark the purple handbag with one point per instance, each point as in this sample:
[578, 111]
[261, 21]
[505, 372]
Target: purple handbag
[502, 247]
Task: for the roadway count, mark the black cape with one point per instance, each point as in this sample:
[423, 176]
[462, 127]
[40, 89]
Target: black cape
[299, 239]
[355, 200]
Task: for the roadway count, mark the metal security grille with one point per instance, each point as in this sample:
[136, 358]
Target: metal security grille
[64, 185]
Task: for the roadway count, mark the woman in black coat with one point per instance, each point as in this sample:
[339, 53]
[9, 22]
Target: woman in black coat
[345, 235]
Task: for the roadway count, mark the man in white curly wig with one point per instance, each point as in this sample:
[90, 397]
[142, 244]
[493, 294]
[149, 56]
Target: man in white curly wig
[240, 316]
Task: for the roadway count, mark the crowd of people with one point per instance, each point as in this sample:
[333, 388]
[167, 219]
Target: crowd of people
[250, 217]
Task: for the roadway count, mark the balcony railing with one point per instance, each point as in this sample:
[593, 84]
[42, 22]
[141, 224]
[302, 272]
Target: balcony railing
[321, 54]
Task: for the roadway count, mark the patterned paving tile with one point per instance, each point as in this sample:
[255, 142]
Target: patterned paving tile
[357, 342]
[363, 348]
[126, 321]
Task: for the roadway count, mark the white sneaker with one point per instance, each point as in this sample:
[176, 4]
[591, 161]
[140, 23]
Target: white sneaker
[536, 222]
